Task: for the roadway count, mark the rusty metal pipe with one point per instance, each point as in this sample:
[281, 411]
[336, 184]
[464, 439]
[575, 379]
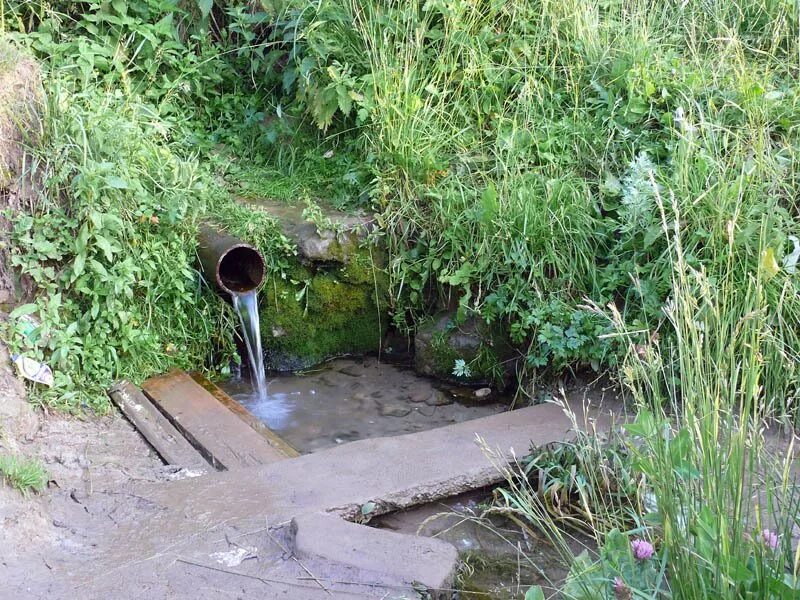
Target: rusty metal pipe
[229, 263]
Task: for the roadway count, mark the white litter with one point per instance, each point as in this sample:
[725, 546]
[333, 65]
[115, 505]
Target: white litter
[790, 261]
[233, 558]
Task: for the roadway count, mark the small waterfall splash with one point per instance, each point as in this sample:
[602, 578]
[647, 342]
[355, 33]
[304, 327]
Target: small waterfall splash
[246, 306]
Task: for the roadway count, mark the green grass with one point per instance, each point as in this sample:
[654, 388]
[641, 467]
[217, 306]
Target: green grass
[697, 478]
[114, 267]
[302, 166]
[24, 474]
[513, 143]
[612, 182]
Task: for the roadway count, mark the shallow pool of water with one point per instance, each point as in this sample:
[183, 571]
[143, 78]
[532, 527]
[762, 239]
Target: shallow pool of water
[501, 560]
[353, 399]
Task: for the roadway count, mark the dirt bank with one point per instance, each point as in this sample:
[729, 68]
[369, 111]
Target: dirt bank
[95, 459]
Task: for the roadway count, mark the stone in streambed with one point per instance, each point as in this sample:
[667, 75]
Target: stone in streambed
[444, 341]
[352, 370]
[438, 398]
[419, 396]
[394, 409]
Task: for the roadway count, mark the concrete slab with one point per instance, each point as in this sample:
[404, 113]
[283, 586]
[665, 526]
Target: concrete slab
[411, 559]
[173, 531]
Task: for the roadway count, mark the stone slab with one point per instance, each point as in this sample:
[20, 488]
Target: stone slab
[411, 559]
[175, 527]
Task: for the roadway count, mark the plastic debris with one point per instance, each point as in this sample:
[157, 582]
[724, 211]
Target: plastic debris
[33, 370]
[790, 261]
[28, 324]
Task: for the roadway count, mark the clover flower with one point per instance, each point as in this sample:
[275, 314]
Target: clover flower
[621, 591]
[769, 539]
[642, 549]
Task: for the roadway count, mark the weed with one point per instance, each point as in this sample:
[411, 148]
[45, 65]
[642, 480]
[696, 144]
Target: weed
[24, 474]
[701, 486]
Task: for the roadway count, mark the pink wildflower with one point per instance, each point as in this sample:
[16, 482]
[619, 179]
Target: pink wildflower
[642, 549]
[770, 539]
[621, 591]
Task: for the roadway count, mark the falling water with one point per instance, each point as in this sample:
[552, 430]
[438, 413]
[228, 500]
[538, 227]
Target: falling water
[246, 305]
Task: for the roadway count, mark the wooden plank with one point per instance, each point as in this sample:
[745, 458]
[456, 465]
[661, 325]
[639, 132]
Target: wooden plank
[273, 439]
[224, 439]
[167, 441]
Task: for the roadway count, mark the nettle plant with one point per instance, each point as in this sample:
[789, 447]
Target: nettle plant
[110, 247]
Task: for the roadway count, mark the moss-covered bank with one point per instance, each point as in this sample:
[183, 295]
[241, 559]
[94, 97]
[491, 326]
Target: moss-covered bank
[329, 299]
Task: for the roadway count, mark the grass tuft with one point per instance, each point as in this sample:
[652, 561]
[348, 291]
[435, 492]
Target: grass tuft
[24, 474]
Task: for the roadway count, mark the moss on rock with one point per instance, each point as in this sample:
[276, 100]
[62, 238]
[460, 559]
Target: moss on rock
[440, 342]
[321, 311]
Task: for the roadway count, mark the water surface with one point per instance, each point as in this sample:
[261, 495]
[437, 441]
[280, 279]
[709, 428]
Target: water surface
[352, 399]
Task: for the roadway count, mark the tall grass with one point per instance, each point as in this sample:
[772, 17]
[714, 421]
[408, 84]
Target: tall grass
[710, 492]
[512, 142]
[701, 440]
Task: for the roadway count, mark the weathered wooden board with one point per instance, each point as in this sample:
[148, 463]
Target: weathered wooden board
[162, 435]
[240, 411]
[225, 440]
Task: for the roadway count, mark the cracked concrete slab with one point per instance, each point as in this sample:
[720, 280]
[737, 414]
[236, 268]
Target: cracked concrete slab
[410, 559]
[166, 540]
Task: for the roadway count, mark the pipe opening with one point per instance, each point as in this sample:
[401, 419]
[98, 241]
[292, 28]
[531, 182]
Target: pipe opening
[241, 269]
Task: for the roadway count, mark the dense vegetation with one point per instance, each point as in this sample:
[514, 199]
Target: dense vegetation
[613, 182]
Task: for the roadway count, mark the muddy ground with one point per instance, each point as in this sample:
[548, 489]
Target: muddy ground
[97, 458]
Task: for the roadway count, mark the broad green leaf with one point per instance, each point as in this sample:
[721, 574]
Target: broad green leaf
[82, 239]
[105, 246]
[489, 203]
[534, 593]
[116, 182]
[78, 265]
[23, 310]
[768, 263]
[205, 6]
[98, 268]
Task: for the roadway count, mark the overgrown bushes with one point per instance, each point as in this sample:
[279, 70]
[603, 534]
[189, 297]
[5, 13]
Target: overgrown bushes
[110, 248]
[134, 91]
[516, 146]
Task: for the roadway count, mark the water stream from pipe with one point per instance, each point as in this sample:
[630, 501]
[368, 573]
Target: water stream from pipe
[246, 306]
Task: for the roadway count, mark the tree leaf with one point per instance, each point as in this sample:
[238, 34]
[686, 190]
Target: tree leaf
[205, 7]
[21, 311]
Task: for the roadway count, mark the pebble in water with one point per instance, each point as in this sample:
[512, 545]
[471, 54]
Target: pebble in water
[438, 398]
[394, 409]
